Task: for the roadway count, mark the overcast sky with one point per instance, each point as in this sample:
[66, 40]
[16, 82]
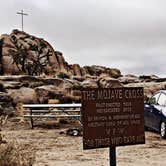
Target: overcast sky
[126, 34]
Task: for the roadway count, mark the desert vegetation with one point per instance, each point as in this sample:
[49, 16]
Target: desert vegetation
[13, 153]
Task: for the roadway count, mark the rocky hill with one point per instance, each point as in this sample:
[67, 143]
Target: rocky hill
[33, 72]
[26, 54]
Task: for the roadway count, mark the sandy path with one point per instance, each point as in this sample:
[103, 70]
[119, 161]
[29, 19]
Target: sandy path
[55, 149]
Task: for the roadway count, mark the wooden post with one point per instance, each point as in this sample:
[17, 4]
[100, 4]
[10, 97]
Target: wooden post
[112, 151]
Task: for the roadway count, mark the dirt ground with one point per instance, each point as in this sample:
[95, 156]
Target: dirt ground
[54, 148]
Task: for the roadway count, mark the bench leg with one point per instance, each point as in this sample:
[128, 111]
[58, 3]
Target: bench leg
[31, 119]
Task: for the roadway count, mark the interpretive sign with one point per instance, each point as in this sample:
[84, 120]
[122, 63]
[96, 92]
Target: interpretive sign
[112, 117]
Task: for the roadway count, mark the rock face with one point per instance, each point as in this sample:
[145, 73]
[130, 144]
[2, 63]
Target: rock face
[35, 89]
[22, 53]
[100, 71]
[150, 83]
[6, 104]
[23, 95]
[107, 82]
[26, 54]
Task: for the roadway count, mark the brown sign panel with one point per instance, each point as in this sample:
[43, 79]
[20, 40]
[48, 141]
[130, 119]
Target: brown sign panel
[112, 117]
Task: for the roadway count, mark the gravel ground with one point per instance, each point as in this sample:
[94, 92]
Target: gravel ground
[54, 148]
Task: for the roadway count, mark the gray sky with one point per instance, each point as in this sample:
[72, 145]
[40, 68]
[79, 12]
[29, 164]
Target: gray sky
[126, 34]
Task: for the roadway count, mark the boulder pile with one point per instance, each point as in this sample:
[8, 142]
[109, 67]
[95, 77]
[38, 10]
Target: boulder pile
[31, 71]
[26, 54]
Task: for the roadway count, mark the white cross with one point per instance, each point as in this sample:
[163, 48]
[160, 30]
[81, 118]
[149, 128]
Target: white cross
[22, 14]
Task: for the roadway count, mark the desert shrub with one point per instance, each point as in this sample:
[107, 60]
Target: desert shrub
[146, 98]
[14, 154]
[63, 75]
[43, 44]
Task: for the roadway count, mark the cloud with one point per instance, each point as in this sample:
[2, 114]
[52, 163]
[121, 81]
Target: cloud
[129, 35]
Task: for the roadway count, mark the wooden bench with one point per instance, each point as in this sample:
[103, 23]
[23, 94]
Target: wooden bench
[44, 110]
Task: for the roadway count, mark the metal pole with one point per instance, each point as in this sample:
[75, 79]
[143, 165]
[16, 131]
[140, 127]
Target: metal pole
[22, 21]
[22, 18]
[112, 151]
[31, 119]
[1, 66]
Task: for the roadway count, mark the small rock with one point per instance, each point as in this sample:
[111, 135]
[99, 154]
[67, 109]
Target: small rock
[74, 132]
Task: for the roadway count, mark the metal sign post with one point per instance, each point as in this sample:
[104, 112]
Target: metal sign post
[112, 153]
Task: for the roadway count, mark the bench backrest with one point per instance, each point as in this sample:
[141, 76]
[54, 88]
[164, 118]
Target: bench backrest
[52, 105]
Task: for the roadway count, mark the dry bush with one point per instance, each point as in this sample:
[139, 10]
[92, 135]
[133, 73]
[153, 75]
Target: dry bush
[3, 120]
[15, 154]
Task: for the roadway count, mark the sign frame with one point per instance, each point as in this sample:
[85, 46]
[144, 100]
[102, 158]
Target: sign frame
[102, 107]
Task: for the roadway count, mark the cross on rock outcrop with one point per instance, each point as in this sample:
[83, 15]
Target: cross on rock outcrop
[22, 18]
